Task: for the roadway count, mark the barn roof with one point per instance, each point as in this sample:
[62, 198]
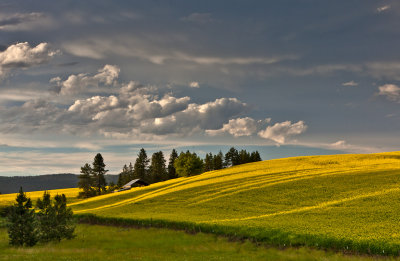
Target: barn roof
[139, 181]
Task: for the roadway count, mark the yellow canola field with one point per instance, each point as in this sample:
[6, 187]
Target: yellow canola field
[70, 193]
[353, 196]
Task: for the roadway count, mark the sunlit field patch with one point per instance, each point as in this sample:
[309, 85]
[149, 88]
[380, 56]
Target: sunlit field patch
[71, 193]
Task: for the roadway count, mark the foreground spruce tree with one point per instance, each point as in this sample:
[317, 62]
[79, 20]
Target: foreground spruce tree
[46, 219]
[21, 230]
[54, 219]
[65, 226]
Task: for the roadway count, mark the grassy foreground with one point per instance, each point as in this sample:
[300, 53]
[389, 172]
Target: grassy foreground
[113, 243]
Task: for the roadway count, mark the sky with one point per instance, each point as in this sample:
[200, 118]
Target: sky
[285, 77]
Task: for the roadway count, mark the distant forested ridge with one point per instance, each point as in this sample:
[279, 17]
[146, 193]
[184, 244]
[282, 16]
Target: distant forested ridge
[43, 182]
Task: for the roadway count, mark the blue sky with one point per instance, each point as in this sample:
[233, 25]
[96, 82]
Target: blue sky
[297, 77]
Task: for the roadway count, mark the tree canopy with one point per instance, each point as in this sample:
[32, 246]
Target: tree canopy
[188, 164]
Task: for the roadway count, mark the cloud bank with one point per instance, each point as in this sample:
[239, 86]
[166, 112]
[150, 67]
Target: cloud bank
[134, 110]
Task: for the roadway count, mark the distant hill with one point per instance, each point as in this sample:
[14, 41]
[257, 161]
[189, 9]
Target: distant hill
[43, 182]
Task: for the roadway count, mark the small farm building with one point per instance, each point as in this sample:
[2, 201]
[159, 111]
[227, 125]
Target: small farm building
[135, 183]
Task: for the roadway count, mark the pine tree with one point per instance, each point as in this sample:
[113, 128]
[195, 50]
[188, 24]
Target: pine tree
[231, 158]
[86, 181]
[64, 216]
[171, 168]
[123, 176]
[140, 169]
[55, 219]
[158, 171]
[209, 162]
[244, 157]
[21, 231]
[255, 156]
[99, 171]
[218, 161]
[46, 219]
[131, 174]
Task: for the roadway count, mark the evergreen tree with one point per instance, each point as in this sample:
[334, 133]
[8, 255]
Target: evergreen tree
[140, 169]
[86, 181]
[47, 219]
[158, 171]
[131, 174]
[64, 217]
[124, 176]
[171, 167]
[21, 231]
[232, 158]
[99, 171]
[244, 157]
[209, 162]
[255, 156]
[55, 219]
[218, 161]
[188, 164]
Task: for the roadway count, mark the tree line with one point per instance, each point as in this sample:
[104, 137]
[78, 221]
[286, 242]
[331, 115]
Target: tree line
[155, 169]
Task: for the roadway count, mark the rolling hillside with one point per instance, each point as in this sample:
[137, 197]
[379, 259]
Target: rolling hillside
[340, 201]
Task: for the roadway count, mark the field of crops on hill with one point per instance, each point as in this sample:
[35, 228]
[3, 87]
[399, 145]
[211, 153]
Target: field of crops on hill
[347, 201]
[340, 201]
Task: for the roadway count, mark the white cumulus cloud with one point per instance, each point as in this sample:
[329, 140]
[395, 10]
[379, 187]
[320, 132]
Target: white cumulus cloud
[280, 132]
[391, 91]
[22, 55]
[77, 83]
[237, 127]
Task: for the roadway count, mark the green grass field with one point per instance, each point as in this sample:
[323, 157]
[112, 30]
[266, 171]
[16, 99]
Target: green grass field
[114, 243]
[343, 202]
